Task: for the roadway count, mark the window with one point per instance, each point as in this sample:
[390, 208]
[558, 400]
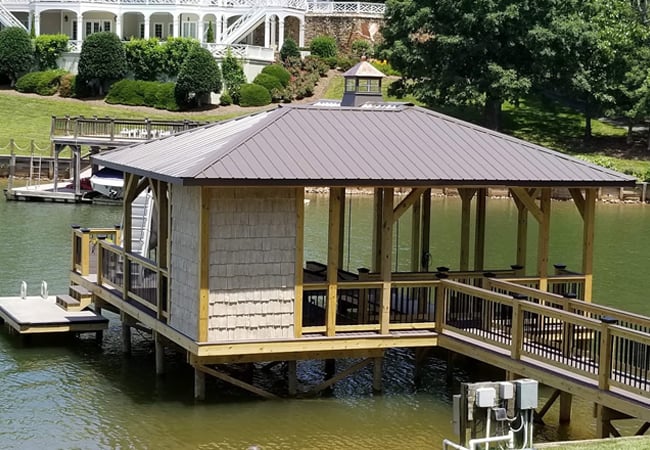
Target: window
[189, 29]
[158, 30]
[107, 25]
[368, 85]
[74, 30]
[141, 27]
[92, 27]
[350, 85]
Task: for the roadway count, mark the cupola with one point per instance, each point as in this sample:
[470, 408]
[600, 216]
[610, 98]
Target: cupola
[362, 84]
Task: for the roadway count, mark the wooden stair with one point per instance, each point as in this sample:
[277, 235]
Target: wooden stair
[78, 299]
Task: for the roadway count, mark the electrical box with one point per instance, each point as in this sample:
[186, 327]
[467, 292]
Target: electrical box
[486, 397]
[526, 397]
[506, 390]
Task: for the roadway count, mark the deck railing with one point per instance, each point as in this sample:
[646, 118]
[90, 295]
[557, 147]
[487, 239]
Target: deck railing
[84, 247]
[569, 334]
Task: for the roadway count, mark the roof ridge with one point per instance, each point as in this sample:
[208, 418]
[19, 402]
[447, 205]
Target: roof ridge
[247, 134]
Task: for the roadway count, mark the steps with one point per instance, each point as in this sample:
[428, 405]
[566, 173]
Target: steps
[78, 299]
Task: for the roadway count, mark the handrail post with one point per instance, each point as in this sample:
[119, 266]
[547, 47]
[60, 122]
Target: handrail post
[517, 327]
[100, 258]
[441, 306]
[605, 353]
[75, 246]
[85, 251]
[363, 314]
[118, 235]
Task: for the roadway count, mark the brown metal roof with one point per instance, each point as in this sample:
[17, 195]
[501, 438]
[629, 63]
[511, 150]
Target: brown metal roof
[377, 145]
[364, 69]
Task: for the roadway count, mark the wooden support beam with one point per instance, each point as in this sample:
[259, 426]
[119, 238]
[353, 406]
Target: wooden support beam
[159, 350]
[549, 403]
[199, 384]
[339, 376]
[544, 233]
[407, 202]
[466, 196]
[292, 377]
[204, 265]
[162, 247]
[333, 248]
[425, 255]
[378, 204]
[565, 407]
[416, 236]
[386, 251]
[342, 213]
[529, 202]
[377, 371]
[300, 256]
[578, 200]
[589, 219]
[235, 382]
[522, 234]
[479, 231]
[641, 431]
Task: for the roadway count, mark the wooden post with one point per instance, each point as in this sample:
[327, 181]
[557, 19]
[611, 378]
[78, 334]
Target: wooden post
[333, 247]
[76, 154]
[377, 374]
[588, 241]
[466, 195]
[425, 256]
[341, 229]
[565, 407]
[126, 334]
[204, 265]
[118, 234]
[416, 236]
[543, 239]
[522, 235]
[292, 376]
[605, 357]
[376, 229]
[199, 384]
[159, 350]
[55, 177]
[479, 232]
[386, 259]
[603, 422]
[85, 251]
[12, 164]
[300, 255]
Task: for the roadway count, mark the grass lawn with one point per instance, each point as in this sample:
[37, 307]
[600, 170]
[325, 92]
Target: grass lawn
[632, 443]
[554, 126]
[26, 118]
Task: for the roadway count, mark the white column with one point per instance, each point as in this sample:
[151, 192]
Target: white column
[301, 35]
[80, 27]
[272, 42]
[224, 27]
[267, 32]
[176, 25]
[37, 24]
[147, 31]
[218, 25]
[29, 21]
[200, 28]
[118, 25]
[281, 33]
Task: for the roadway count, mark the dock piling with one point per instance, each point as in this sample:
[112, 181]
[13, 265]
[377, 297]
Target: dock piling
[199, 384]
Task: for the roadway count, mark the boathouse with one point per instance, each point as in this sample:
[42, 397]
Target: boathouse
[226, 281]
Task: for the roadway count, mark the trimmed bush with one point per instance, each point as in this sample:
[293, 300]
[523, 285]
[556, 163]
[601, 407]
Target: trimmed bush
[144, 58]
[41, 83]
[225, 99]
[199, 76]
[323, 46]
[268, 81]
[289, 50]
[165, 98]
[331, 61]
[254, 95]
[345, 63]
[47, 49]
[361, 47]
[126, 92]
[16, 53]
[233, 76]
[101, 62]
[154, 94]
[278, 72]
[66, 85]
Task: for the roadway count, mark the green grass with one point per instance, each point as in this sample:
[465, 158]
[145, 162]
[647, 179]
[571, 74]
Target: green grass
[604, 444]
[25, 118]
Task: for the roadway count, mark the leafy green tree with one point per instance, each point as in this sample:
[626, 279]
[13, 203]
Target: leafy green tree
[144, 58]
[199, 76]
[323, 46]
[289, 50]
[210, 33]
[175, 51]
[464, 52]
[587, 48]
[101, 62]
[233, 76]
[16, 53]
[47, 48]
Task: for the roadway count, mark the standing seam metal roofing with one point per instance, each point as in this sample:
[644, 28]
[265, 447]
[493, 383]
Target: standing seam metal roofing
[311, 145]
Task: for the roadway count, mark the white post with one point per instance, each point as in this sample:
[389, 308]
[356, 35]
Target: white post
[281, 33]
[201, 29]
[176, 25]
[80, 27]
[37, 24]
[301, 35]
[218, 25]
[272, 41]
[267, 31]
[118, 25]
[147, 32]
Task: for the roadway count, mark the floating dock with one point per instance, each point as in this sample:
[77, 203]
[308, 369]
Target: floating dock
[31, 315]
[44, 192]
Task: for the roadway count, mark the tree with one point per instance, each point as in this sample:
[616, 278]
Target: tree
[289, 50]
[210, 33]
[47, 48]
[587, 48]
[16, 53]
[101, 62]
[175, 51]
[463, 52]
[198, 77]
[144, 58]
[233, 76]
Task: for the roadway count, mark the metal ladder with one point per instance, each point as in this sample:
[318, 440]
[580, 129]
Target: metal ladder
[141, 216]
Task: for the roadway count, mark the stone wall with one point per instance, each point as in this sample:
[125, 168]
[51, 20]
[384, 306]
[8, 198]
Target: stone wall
[346, 30]
[184, 263]
[252, 263]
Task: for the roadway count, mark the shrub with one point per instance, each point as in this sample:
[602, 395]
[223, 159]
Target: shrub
[66, 85]
[316, 64]
[143, 93]
[16, 53]
[323, 46]
[126, 92]
[144, 58]
[331, 61]
[47, 48]
[233, 76]
[166, 97]
[199, 76]
[174, 52]
[254, 95]
[102, 61]
[210, 33]
[345, 63]
[385, 68]
[289, 50]
[268, 81]
[225, 99]
[360, 48]
[41, 83]
[278, 72]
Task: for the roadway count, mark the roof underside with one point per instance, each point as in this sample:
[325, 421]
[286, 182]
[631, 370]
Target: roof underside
[377, 146]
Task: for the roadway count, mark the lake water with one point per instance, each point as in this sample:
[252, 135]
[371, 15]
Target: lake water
[61, 394]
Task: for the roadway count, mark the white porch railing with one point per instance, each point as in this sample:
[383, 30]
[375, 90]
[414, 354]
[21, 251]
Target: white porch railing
[347, 8]
[242, 51]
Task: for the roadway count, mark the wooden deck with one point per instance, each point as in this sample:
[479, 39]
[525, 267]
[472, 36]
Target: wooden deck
[38, 315]
[44, 192]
